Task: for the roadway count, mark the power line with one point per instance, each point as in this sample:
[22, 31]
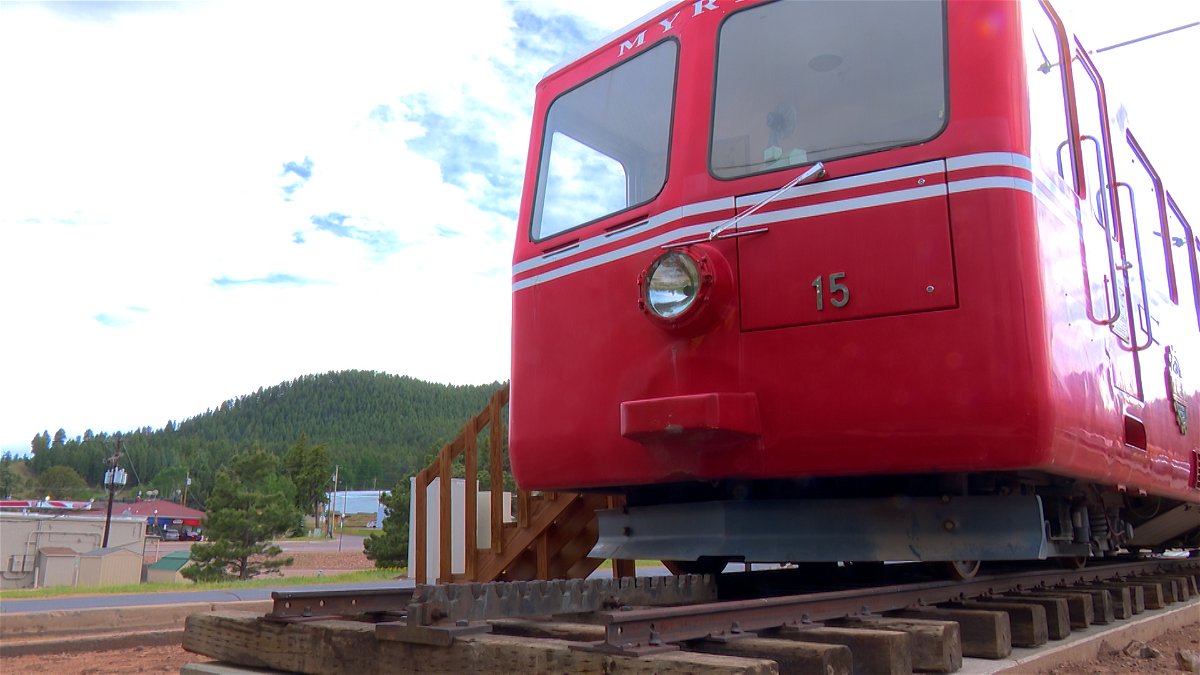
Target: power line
[1146, 37]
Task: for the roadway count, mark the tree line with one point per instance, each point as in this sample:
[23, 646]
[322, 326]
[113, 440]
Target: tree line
[378, 428]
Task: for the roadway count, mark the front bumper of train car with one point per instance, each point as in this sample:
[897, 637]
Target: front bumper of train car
[831, 530]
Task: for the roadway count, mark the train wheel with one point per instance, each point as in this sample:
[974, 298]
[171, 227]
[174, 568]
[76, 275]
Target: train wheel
[963, 570]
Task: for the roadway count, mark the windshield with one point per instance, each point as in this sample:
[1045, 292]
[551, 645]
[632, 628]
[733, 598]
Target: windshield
[605, 144]
[801, 82]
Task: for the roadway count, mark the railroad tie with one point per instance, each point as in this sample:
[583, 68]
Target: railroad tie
[1028, 620]
[985, 634]
[936, 645]
[876, 652]
[1058, 622]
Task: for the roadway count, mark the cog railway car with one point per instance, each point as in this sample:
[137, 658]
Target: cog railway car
[854, 281]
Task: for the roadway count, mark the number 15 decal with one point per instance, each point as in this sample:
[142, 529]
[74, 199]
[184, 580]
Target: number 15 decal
[839, 293]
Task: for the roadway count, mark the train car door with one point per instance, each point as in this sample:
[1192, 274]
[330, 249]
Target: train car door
[799, 83]
[1108, 268]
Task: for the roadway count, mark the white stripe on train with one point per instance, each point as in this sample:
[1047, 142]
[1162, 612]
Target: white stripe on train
[986, 159]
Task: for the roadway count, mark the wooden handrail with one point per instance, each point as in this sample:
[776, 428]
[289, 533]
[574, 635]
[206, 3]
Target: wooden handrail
[441, 469]
[539, 543]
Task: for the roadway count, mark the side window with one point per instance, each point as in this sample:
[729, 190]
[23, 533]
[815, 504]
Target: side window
[1183, 251]
[1050, 142]
[574, 164]
[801, 82]
[605, 143]
[1155, 250]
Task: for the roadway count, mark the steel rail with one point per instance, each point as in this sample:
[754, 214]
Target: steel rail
[292, 605]
[637, 631]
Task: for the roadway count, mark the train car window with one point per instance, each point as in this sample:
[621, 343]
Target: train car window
[1183, 250]
[1050, 136]
[801, 82]
[1155, 249]
[605, 144]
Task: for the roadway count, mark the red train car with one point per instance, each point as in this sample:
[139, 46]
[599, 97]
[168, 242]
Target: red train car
[848, 280]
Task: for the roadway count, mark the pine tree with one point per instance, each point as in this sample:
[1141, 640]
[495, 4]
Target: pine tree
[309, 468]
[62, 482]
[390, 548]
[248, 507]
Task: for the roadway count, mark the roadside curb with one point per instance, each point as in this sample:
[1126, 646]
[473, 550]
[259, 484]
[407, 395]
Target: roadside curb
[93, 643]
[62, 624]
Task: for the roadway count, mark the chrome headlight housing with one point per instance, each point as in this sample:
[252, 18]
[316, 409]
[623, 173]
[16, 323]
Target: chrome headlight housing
[671, 285]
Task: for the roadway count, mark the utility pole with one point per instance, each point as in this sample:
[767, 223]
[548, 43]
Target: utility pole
[186, 482]
[333, 500]
[112, 478]
[342, 525]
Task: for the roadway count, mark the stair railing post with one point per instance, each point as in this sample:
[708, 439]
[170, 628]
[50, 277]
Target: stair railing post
[496, 466]
[470, 500]
[445, 517]
[420, 538]
[523, 507]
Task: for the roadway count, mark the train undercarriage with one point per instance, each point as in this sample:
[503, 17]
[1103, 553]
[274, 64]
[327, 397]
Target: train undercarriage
[955, 519]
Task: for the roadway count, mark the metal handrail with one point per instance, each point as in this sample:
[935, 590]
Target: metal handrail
[1108, 234]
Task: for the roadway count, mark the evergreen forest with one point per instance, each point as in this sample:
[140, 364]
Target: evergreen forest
[377, 429]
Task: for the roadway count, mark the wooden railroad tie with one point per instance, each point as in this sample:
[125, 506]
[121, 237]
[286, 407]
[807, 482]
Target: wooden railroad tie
[569, 627]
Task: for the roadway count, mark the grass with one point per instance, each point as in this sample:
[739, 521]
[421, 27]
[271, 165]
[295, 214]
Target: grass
[162, 587]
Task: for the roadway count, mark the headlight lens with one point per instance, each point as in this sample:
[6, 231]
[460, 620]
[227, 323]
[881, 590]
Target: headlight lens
[672, 284]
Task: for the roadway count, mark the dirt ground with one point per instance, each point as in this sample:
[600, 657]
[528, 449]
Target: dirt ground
[167, 659]
[1165, 654]
[325, 562]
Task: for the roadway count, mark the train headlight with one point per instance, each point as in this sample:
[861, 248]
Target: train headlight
[672, 284]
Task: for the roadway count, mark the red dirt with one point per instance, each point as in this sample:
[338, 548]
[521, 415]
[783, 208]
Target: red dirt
[168, 659]
[323, 563]
[1161, 657]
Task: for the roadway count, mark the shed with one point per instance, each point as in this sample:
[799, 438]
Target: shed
[109, 567]
[168, 568]
[56, 566]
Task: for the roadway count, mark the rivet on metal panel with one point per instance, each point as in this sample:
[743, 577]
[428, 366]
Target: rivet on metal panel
[929, 289]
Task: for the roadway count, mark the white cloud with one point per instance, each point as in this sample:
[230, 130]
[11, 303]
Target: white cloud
[141, 158]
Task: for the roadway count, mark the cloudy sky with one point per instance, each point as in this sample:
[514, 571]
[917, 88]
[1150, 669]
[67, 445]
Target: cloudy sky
[200, 199]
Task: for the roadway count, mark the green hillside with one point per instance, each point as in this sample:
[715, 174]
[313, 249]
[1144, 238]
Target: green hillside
[376, 427]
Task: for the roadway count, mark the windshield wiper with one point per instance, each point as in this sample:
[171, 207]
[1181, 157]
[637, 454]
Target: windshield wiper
[814, 172]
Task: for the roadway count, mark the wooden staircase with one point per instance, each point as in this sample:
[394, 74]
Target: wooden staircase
[550, 538]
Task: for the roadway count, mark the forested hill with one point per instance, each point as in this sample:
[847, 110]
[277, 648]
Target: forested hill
[348, 408]
[377, 427]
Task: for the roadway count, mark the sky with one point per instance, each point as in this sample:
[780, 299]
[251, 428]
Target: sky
[200, 199]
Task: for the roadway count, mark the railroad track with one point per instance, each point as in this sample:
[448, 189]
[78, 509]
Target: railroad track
[842, 622]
